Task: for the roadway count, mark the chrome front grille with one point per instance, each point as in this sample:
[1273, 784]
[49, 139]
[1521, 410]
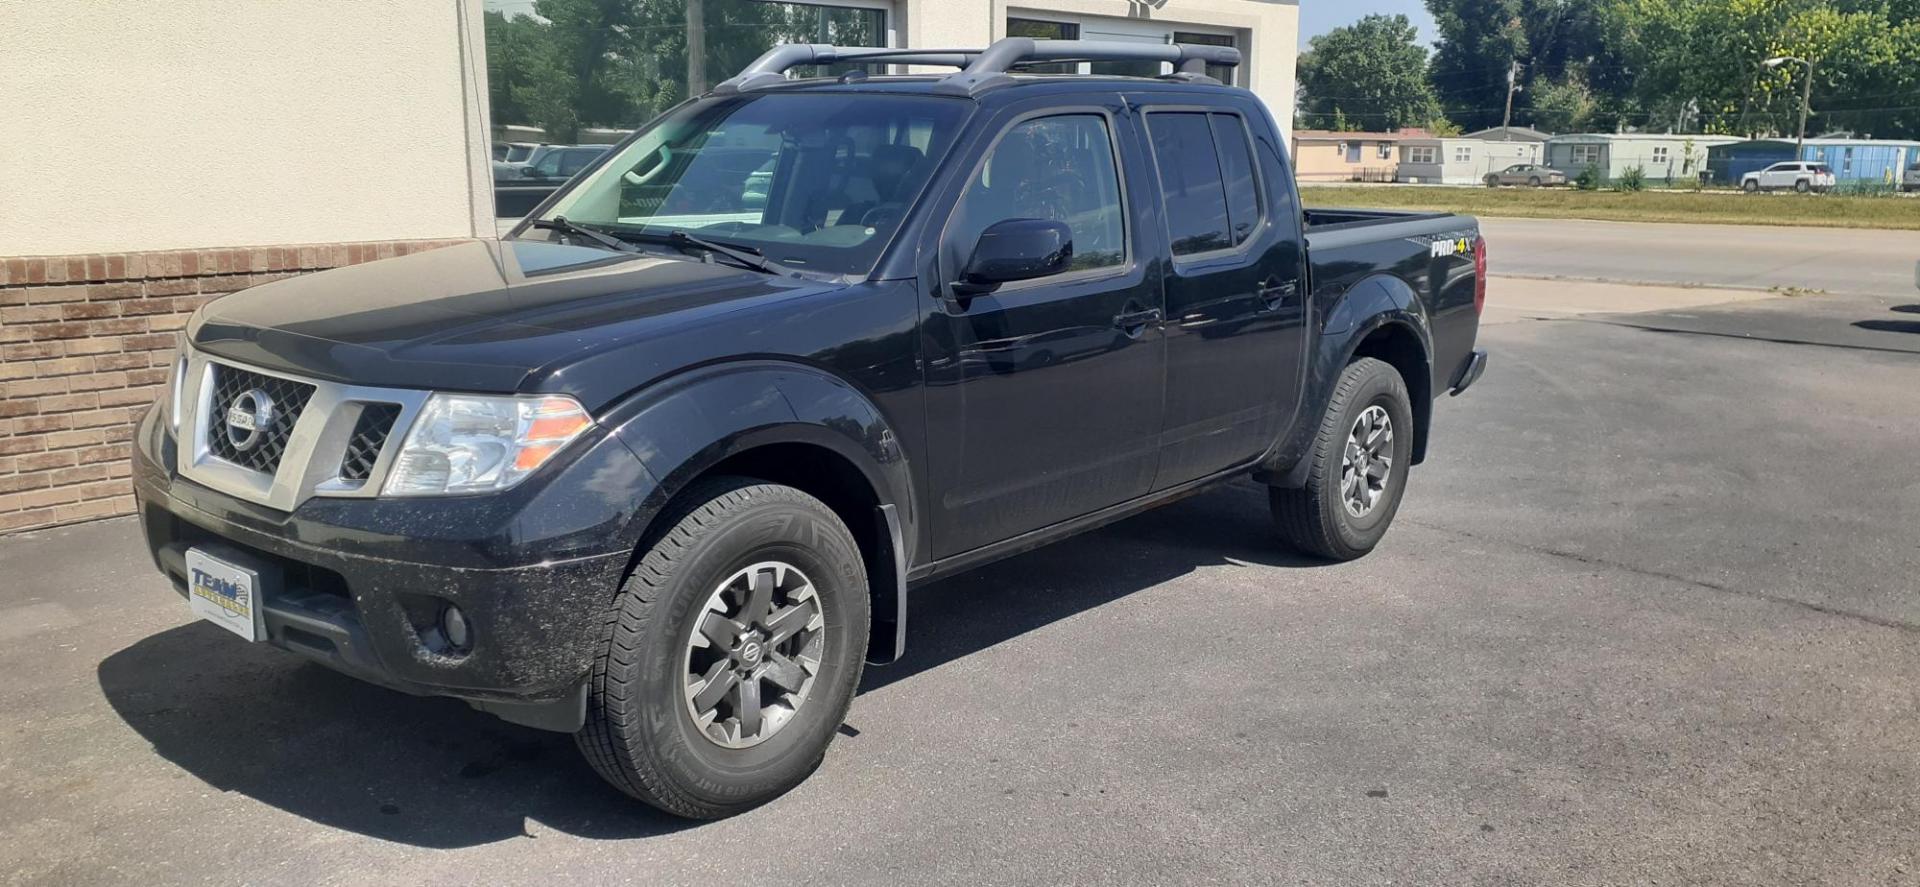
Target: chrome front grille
[278, 399]
[370, 433]
[279, 440]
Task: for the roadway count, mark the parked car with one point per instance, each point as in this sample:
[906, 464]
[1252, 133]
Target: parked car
[1532, 175]
[1802, 177]
[1910, 180]
[659, 469]
[514, 152]
[517, 189]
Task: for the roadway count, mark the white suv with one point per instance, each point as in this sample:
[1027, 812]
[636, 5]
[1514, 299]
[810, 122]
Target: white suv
[1802, 177]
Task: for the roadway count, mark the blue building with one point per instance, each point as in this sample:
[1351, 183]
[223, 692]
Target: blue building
[1853, 161]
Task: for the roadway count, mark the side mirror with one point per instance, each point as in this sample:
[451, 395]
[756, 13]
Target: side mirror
[1018, 249]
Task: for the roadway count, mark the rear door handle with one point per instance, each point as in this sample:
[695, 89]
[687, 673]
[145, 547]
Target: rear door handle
[1133, 323]
[1274, 292]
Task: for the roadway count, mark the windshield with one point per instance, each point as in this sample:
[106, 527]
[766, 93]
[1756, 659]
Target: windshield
[815, 181]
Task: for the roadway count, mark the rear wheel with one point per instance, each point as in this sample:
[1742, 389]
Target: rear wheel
[1360, 457]
[1803, 186]
[1493, 181]
[731, 654]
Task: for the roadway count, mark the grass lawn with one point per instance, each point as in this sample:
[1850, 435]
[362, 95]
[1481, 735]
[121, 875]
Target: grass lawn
[1715, 207]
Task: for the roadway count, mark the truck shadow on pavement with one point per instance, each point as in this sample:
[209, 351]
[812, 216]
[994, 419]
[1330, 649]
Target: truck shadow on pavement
[434, 773]
[1893, 326]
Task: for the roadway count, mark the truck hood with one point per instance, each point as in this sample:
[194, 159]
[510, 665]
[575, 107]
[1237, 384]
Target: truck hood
[491, 316]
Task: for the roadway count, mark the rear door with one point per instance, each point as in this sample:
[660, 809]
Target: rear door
[1235, 312]
[1044, 396]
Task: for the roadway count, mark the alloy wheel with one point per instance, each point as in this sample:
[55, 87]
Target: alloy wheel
[1366, 465]
[753, 654]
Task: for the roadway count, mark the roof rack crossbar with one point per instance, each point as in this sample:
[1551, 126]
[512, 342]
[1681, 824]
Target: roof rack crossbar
[771, 67]
[982, 68]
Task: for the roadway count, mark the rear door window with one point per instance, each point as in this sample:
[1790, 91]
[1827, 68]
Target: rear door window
[1236, 168]
[1207, 181]
[1190, 182]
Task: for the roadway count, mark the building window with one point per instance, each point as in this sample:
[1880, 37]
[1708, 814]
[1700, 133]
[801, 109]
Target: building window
[1423, 154]
[542, 91]
[1586, 153]
[1045, 30]
[1223, 73]
[1660, 153]
[1386, 150]
[1846, 162]
[1462, 153]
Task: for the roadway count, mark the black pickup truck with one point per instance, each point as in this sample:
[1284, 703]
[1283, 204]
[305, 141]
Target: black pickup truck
[659, 467]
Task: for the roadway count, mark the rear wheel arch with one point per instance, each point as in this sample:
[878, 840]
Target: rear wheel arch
[1400, 346]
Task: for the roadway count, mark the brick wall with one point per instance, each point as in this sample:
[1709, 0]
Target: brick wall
[84, 346]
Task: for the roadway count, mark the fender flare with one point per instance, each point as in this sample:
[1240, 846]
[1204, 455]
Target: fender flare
[1378, 301]
[681, 426]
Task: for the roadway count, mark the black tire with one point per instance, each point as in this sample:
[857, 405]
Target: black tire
[1493, 181]
[1802, 186]
[1314, 519]
[1751, 186]
[639, 734]
[1533, 182]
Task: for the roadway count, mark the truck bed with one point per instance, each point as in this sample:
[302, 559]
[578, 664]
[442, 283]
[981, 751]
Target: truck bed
[1347, 248]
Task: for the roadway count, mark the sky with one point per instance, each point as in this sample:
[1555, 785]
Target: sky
[1320, 16]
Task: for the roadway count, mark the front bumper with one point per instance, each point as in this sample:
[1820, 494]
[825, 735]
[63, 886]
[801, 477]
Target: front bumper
[358, 584]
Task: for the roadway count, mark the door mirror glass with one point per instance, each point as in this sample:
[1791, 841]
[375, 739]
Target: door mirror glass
[1020, 249]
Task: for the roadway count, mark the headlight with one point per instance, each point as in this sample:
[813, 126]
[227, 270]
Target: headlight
[176, 383]
[469, 443]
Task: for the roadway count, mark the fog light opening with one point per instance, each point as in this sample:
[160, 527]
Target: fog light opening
[454, 627]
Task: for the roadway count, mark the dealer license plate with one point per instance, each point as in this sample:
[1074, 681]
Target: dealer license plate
[225, 594]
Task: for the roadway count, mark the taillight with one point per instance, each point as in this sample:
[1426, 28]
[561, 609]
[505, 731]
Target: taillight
[1479, 273]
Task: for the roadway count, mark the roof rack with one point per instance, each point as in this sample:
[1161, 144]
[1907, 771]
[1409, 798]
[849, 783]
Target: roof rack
[982, 69]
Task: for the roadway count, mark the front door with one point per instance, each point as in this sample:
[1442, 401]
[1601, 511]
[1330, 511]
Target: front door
[1236, 315]
[1043, 396]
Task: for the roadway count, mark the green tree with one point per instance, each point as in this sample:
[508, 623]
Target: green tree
[1372, 73]
[1564, 105]
[1708, 52]
[1553, 41]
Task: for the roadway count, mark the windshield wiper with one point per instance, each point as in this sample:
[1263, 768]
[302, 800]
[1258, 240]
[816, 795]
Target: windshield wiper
[744, 256]
[560, 224]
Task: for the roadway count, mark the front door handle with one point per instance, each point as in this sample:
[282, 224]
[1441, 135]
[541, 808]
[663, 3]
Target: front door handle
[1275, 292]
[1133, 323]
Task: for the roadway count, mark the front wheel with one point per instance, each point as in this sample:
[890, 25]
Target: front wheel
[1360, 457]
[1750, 186]
[731, 654]
[1533, 182]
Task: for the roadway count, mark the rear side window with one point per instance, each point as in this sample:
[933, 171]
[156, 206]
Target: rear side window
[575, 161]
[1207, 181]
[1236, 167]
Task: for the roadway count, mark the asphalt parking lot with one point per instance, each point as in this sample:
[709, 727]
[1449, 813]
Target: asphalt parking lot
[1649, 615]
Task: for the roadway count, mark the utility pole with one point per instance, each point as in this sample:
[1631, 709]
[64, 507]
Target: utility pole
[696, 47]
[1513, 86]
[1806, 99]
